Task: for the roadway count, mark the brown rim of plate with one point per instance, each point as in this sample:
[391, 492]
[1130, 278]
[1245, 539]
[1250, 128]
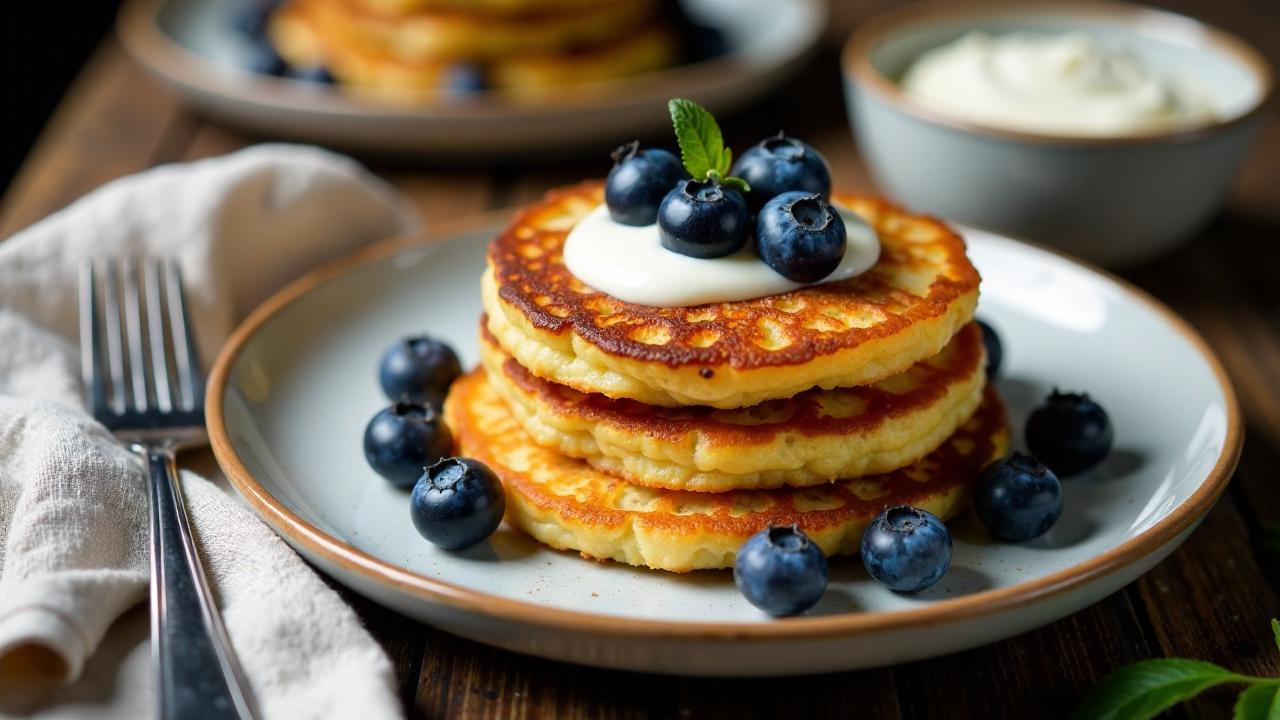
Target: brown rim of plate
[856, 62]
[138, 29]
[301, 532]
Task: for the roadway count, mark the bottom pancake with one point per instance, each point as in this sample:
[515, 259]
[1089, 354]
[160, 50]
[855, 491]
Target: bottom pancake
[569, 505]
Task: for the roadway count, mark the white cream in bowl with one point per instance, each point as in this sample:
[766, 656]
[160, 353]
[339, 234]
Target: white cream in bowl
[1067, 84]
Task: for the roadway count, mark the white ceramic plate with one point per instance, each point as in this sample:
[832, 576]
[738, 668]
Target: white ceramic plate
[191, 45]
[291, 394]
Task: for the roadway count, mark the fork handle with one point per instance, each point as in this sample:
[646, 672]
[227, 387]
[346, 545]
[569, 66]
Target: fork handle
[195, 671]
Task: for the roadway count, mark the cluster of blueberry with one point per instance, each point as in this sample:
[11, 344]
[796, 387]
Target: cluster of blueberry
[797, 232]
[456, 502]
[1018, 498]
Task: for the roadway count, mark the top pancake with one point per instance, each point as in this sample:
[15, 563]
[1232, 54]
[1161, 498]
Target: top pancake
[726, 355]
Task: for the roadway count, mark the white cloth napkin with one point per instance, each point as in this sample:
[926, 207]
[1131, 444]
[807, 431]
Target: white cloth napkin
[73, 506]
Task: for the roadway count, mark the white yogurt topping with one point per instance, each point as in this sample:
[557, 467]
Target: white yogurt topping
[629, 263]
[1068, 84]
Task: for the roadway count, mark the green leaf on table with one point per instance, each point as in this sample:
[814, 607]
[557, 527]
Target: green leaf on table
[1260, 702]
[702, 148]
[1145, 689]
[1275, 630]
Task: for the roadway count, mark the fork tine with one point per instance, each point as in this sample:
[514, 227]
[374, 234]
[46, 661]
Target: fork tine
[155, 325]
[91, 339]
[115, 340]
[186, 360]
[133, 333]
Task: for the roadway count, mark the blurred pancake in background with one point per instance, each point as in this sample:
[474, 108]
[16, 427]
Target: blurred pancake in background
[409, 54]
[404, 47]
[479, 6]
[468, 79]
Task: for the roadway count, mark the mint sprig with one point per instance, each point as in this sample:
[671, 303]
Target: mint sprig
[1146, 689]
[702, 146]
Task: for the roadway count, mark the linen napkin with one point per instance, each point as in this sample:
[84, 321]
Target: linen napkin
[73, 505]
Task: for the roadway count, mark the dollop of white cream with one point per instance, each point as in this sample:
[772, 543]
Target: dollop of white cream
[1070, 84]
[628, 262]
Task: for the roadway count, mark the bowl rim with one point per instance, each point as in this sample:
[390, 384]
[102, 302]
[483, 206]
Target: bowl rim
[477, 602]
[857, 67]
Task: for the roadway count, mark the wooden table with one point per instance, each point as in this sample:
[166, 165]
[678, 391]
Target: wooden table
[1212, 599]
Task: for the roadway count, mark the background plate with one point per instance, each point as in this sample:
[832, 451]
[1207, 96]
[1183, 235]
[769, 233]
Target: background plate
[191, 45]
[291, 394]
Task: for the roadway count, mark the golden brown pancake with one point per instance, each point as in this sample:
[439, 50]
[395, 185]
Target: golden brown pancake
[438, 36]
[567, 504]
[301, 40]
[642, 50]
[805, 440]
[726, 355]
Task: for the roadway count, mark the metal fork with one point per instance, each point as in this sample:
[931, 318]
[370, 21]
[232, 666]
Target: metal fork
[142, 379]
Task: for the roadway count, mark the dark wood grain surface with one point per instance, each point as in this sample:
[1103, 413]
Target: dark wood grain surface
[1211, 599]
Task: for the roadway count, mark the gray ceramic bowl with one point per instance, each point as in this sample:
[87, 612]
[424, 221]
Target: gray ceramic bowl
[1116, 201]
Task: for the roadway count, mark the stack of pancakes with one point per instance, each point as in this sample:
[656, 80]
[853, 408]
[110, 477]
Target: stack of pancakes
[665, 437]
[407, 47]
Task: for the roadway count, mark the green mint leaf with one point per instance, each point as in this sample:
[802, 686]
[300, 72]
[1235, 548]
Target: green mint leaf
[1260, 702]
[1275, 630]
[1145, 689]
[701, 144]
[737, 183]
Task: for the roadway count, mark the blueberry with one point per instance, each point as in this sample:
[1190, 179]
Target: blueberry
[995, 351]
[403, 439]
[800, 236]
[781, 571]
[457, 503]
[264, 59]
[906, 549]
[251, 18]
[464, 79]
[638, 182]
[703, 220]
[1018, 498]
[314, 74]
[1069, 432]
[418, 368]
[782, 164]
